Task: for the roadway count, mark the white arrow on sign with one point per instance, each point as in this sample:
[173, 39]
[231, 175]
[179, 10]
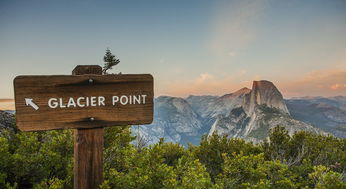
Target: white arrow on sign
[28, 101]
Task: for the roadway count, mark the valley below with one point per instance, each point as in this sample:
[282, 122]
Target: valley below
[246, 113]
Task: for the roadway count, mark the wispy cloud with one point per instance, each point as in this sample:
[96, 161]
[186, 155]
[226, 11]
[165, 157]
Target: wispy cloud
[241, 73]
[232, 53]
[338, 86]
[235, 25]
[330, 82]
[162, 60]
[205, 84]
[204, 77]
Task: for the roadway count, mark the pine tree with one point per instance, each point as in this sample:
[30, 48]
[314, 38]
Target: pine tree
[110, 61]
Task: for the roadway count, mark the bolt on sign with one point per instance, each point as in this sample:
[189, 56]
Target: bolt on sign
[82, 101]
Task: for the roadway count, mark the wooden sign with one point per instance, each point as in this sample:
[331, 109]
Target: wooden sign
[82, 101]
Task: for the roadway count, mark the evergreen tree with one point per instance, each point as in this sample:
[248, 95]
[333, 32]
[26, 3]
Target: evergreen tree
[110, 61]
[303, 160]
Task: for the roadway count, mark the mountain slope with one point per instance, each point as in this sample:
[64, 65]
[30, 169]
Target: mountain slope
[328, 114]
[212, 106]
[263, 108]
[264, 93]
[246, 113]
[174, 120]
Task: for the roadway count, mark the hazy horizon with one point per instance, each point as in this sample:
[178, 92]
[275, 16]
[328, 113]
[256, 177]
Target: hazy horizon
[190, 47]
[8, 104]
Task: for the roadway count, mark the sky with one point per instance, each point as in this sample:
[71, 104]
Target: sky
[191, 47]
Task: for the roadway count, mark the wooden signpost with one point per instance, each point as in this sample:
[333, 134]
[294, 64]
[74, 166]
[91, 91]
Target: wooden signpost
[85, 101]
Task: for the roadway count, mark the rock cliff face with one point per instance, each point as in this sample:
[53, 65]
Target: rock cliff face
[233, 125]
[246, 113]
[212, 106]
[262, 109]
[174, 120]
[264, 93]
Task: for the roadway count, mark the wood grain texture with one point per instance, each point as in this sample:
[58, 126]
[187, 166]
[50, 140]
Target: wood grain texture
[88, 149]
[42, 88]
[88, 158]
[87, 69]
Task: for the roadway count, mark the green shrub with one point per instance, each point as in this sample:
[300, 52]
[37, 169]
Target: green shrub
[304, 160]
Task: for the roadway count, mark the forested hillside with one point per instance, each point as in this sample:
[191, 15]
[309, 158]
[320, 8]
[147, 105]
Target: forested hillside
[304, 160]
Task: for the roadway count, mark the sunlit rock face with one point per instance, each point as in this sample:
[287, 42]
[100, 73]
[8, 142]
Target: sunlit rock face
[246, 113]
[263, 108]
[264, 93]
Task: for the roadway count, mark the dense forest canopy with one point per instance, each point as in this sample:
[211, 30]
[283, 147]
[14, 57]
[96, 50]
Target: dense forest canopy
[304, 160]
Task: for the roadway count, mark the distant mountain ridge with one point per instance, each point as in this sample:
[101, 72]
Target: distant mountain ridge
[246, 113]
[328, 114]
[262, 109]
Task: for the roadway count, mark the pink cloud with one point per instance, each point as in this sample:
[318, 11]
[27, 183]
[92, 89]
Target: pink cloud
[318, 83]
[328, 82]
[337, 86]
[204, 84]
